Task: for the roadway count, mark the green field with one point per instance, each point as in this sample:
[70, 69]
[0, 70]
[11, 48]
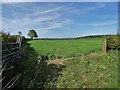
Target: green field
[66, 48]
[81, 70]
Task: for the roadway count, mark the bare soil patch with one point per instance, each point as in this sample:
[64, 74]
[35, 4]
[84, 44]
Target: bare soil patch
[61, 61]
[56, 61]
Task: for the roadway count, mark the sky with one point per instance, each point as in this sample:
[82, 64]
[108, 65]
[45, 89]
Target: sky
[60, 0]
[60, 19]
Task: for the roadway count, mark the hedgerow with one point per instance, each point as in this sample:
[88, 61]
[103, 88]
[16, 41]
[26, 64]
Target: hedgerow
[113, 42]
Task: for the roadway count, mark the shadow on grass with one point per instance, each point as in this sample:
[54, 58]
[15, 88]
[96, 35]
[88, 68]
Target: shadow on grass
[36, 72]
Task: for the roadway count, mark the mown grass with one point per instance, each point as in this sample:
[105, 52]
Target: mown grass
[89, 72]
[66, 48]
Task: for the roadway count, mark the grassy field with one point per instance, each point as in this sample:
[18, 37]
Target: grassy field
[66, 48]
[83, 70]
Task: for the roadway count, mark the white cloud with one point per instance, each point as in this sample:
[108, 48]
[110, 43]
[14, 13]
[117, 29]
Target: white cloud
[53, 26]
[44, 21]
[28, 21]
[97, 24]
[51, 10]
[84, 10]
[100, 5]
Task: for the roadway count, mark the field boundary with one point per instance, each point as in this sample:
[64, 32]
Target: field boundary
[11, 53]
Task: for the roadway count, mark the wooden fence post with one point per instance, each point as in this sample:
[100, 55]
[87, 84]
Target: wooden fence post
[104, 46]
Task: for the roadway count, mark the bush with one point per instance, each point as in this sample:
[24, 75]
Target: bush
[12, 38]
[113, 42]
[7, 38]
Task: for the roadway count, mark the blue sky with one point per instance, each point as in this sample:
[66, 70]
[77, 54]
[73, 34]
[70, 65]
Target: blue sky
[60, 19]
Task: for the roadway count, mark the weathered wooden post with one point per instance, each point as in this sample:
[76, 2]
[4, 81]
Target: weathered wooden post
[104, 46]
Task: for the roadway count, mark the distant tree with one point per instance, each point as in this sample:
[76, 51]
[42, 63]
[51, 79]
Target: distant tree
[32, 34]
